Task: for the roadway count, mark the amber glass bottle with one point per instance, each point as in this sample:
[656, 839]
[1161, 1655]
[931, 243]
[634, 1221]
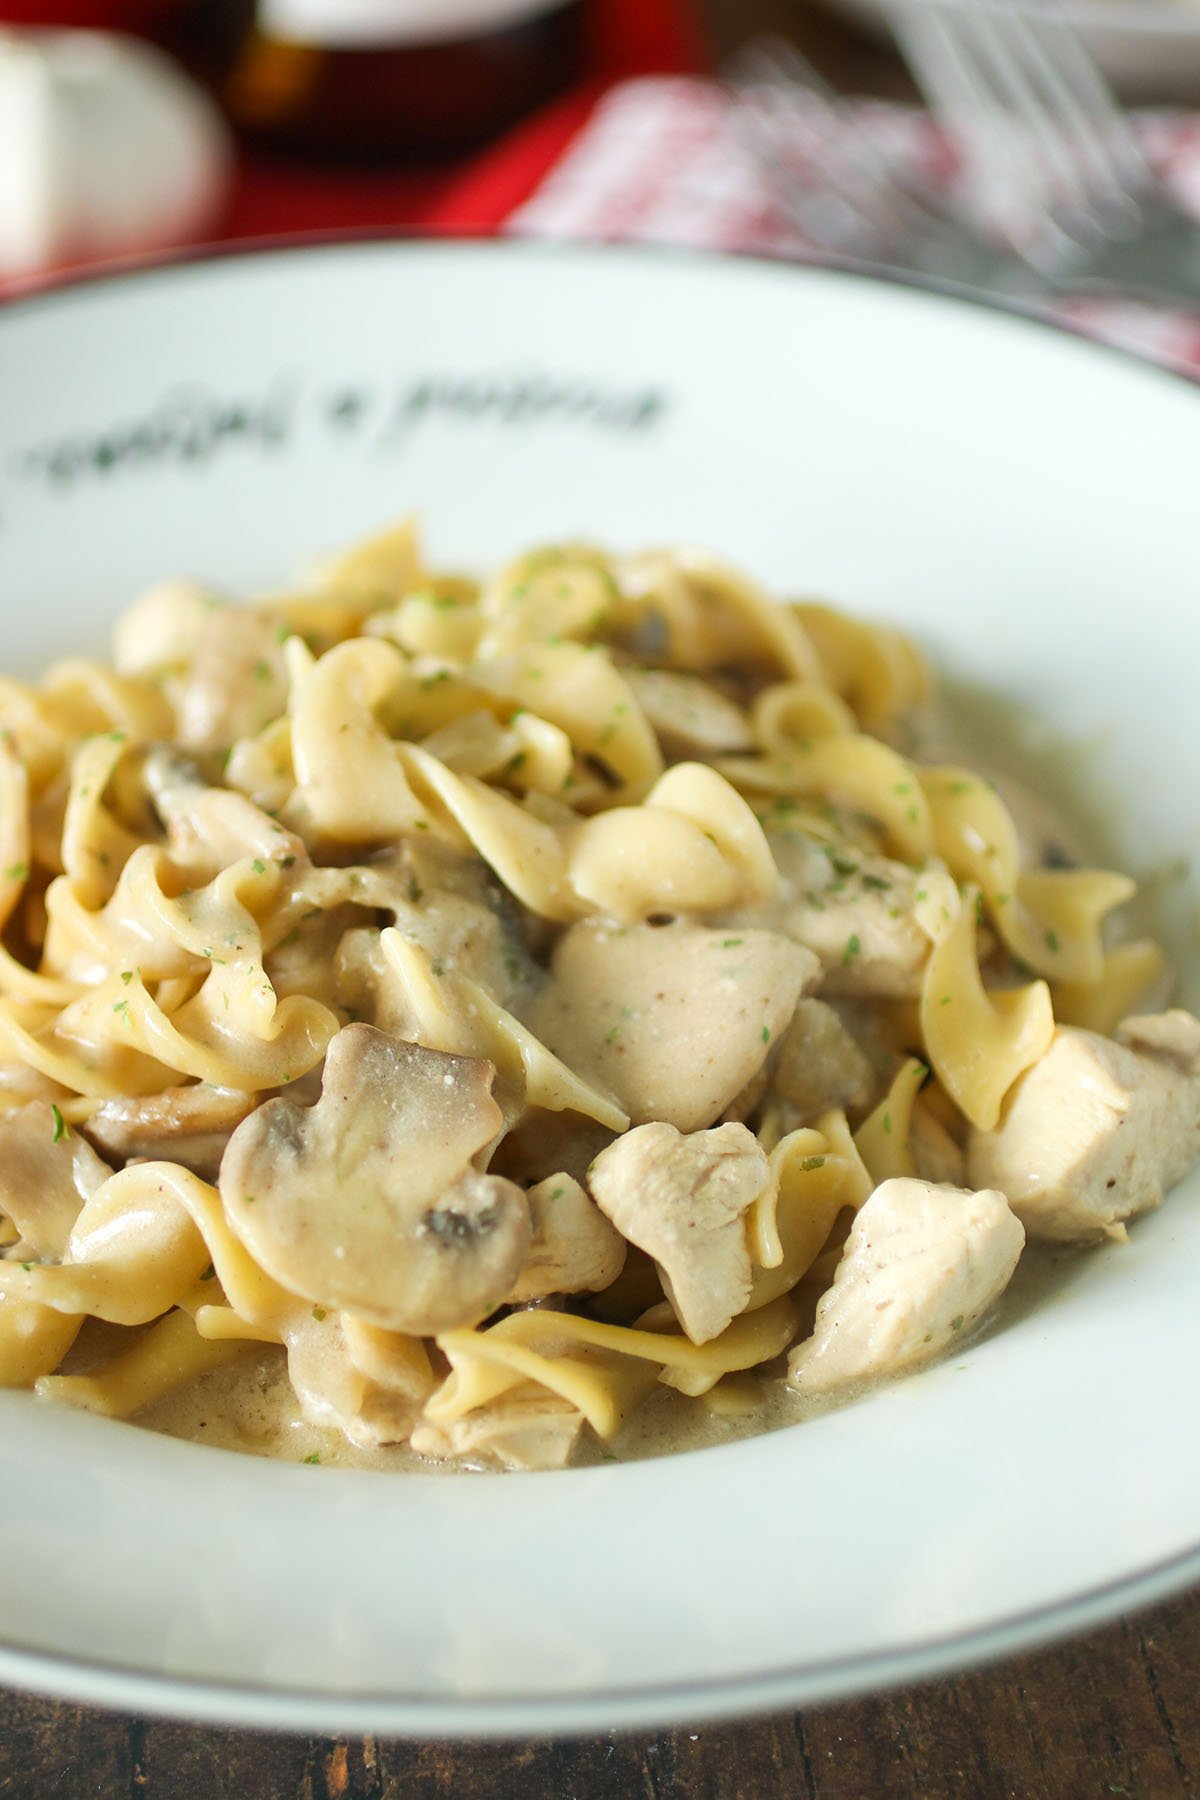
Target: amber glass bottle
[378, 79]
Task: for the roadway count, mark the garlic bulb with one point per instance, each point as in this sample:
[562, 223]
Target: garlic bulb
[106, 149]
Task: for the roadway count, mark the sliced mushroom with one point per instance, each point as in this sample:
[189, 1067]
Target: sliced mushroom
[46, 1174]
[682, 1200]
[820, 1066]
[368, 1201]
[210, 827]
[189, 1125]
[575, 1249]
[922, 1266]
[672, 1020]
[689, 715]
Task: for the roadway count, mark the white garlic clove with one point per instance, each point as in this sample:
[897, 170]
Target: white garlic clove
[106, 149]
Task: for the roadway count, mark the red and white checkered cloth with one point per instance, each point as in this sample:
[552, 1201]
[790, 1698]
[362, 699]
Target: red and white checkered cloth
[663, 160]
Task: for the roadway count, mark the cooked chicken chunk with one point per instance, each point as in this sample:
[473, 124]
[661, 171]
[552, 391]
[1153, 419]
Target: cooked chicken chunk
[855, 911]
[921, 1267]
[46, 1175]
[1098, 1130]
[368, 1201]
[673, 1020]
[528, 1428]
[820, 1066]
[236, 682]
[575, 1249]
[368, 1383]
[188, 1125]
[682, 1200]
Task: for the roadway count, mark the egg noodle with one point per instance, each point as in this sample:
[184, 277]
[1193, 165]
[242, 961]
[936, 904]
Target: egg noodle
[512, 998]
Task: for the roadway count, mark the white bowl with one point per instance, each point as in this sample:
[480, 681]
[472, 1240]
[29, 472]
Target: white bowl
[1026, 504]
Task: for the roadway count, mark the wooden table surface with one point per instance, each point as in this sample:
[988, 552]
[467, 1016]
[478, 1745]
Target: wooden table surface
[1114, 1713]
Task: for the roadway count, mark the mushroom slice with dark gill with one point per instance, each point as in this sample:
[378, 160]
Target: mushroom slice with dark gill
[369, 1201]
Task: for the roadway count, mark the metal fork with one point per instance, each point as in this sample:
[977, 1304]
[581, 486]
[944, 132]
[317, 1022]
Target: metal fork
[1013, 84]
[794, 123]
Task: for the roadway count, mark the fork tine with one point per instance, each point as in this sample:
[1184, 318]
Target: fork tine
[787, 103]
[1032, 127]
[1103, 128]
[937, 41]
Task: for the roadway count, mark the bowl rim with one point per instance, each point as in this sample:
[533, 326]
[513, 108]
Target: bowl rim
[260, 1705]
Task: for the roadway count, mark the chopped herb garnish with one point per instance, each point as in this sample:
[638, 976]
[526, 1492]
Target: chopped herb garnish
[853, 949]
[209, 1273]
[259, 866]
[876, 882]
[319, 1314]
[122, 1006]
[60, 1124]
[16, 871]
[766, 1034]
[945, 999]
[314, 1458]
[887, 1123]
[731, 943]
[1052, 940]
[612, 1034]
[285, 862]
[557, 1193]
[961, 787]
[956, 1322]
[810, 1163]
[27, 1267]
[415, 891]
[126, 977]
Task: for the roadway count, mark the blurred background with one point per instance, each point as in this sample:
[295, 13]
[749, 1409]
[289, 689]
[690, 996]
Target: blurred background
[135, 128]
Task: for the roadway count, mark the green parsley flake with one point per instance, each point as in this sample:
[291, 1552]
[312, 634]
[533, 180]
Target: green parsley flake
[209, 1273]
[810, 1163]
[319, 1314]
[60, 1124]
[1051, 940]
[853, 949]
[17, 872]
[126, 977]
[887, 1123]
[731, 943]
[766, 1034]
[314, 1458]
[259, 866]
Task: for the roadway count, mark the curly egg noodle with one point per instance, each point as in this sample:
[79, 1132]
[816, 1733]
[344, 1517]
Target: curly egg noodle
[515, 998]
